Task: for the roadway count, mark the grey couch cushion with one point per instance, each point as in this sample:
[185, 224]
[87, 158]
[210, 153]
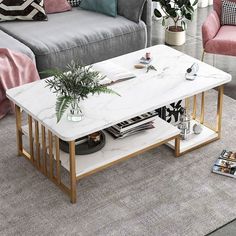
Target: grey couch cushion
[6, 41]
[131, 9]
[81, 35]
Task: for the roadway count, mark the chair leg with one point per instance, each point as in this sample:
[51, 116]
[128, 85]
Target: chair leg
[214, 60]
[203, 54]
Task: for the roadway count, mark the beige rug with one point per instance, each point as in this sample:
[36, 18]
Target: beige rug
[153, 194]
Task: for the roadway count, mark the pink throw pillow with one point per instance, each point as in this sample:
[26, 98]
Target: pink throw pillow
[56, 6]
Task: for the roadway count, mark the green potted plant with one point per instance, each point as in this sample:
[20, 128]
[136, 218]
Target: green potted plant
[178, 11]
[73, 86]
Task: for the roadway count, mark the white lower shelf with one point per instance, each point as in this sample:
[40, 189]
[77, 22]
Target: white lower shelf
[195, 140]
[116, 149]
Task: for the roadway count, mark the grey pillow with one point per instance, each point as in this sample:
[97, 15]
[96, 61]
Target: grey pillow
[131, 9]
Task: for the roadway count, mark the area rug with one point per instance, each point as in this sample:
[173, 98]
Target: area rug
[151, 194]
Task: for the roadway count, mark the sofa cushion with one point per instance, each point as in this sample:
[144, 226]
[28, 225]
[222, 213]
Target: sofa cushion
[56, 6]
[108, 7]
[131, 9]
[80, 35]
[22, 10]
[228, 15]
[224, 42]
[6, 41]
[74, 3]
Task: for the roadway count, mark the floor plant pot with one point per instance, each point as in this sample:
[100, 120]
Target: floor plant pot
[175, 38]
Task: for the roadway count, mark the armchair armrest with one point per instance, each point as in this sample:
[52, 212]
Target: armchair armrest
[210, 27]
[147, 18]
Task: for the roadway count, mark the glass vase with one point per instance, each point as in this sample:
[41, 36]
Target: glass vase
[75, 113]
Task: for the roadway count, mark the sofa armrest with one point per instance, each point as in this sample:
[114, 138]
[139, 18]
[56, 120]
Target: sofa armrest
[147, 18]
[210, 27]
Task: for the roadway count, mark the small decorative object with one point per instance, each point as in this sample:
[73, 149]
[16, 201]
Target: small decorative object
[73, 86]
[171, 113]
[94, 138]
[146, 59]
[197, 129]
[178, 11]
[192, 72]
[139, 66]
[150, 67]
[86, 145]
[148, 55]
[184, 124]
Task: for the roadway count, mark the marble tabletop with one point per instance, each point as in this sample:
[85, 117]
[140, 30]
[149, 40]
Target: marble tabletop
[146, 92]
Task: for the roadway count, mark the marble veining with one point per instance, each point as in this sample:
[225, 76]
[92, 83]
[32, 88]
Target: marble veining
[144, 93]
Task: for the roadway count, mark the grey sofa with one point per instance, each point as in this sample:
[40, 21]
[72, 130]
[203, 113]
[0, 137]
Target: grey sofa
[80, 35]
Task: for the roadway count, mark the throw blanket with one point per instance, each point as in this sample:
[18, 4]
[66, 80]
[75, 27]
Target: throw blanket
[15, 69]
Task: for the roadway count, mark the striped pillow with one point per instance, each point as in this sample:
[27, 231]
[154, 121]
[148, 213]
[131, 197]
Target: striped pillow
[74, 3]
[228, 16]
[22, 10]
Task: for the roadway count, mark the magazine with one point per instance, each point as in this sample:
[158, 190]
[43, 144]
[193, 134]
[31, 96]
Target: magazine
[226, 164]
[117, 134]
[136, 121]
[113, 72]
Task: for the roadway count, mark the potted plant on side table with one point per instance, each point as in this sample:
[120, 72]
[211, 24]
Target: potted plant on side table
[178, 11]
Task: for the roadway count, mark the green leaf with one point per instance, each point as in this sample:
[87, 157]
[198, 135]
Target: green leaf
[188, 16]
[195, 3]
[183, 25]
[62, 104]
[157, 13]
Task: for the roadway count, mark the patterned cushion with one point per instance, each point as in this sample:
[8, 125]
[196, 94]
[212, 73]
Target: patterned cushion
[228, 16]
[74, 3]
[22, 10]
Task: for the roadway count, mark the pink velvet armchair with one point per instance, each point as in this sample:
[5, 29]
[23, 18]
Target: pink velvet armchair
[217, 38]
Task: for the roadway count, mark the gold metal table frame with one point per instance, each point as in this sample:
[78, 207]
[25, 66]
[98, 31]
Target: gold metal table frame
[44, 152]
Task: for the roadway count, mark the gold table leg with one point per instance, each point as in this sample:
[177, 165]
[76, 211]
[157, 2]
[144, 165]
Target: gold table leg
[72, 172]
[219, 110]
[18, 130]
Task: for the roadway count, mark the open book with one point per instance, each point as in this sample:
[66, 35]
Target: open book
[113, 72]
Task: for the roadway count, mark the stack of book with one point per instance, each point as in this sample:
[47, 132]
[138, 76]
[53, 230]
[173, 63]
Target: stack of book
[226, 164]
[134, 125]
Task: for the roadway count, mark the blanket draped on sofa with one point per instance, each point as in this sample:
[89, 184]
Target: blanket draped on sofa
[15, 69]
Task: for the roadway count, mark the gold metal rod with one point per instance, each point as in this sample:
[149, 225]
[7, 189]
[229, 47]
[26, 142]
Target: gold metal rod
[58, 166]
[177, 146]
[73, 197]
[50, 141]
[219, 110]
[36, 134]
[125, 158]
[203, 54]
[44, 149]
[194, 106]
[187, 104]
[31, 140]
[18, 130]
[202, 117]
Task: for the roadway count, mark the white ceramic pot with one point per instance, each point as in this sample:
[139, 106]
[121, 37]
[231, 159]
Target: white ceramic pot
[175, 38]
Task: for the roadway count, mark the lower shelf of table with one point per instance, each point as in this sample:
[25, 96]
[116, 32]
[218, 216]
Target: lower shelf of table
[195, 140]
[116, 149]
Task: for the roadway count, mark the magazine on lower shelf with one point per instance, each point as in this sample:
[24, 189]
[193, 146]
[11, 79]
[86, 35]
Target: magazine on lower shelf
[226, 164]
[135, 130]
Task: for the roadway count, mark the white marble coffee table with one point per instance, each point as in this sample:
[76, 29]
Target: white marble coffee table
[146, 92]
